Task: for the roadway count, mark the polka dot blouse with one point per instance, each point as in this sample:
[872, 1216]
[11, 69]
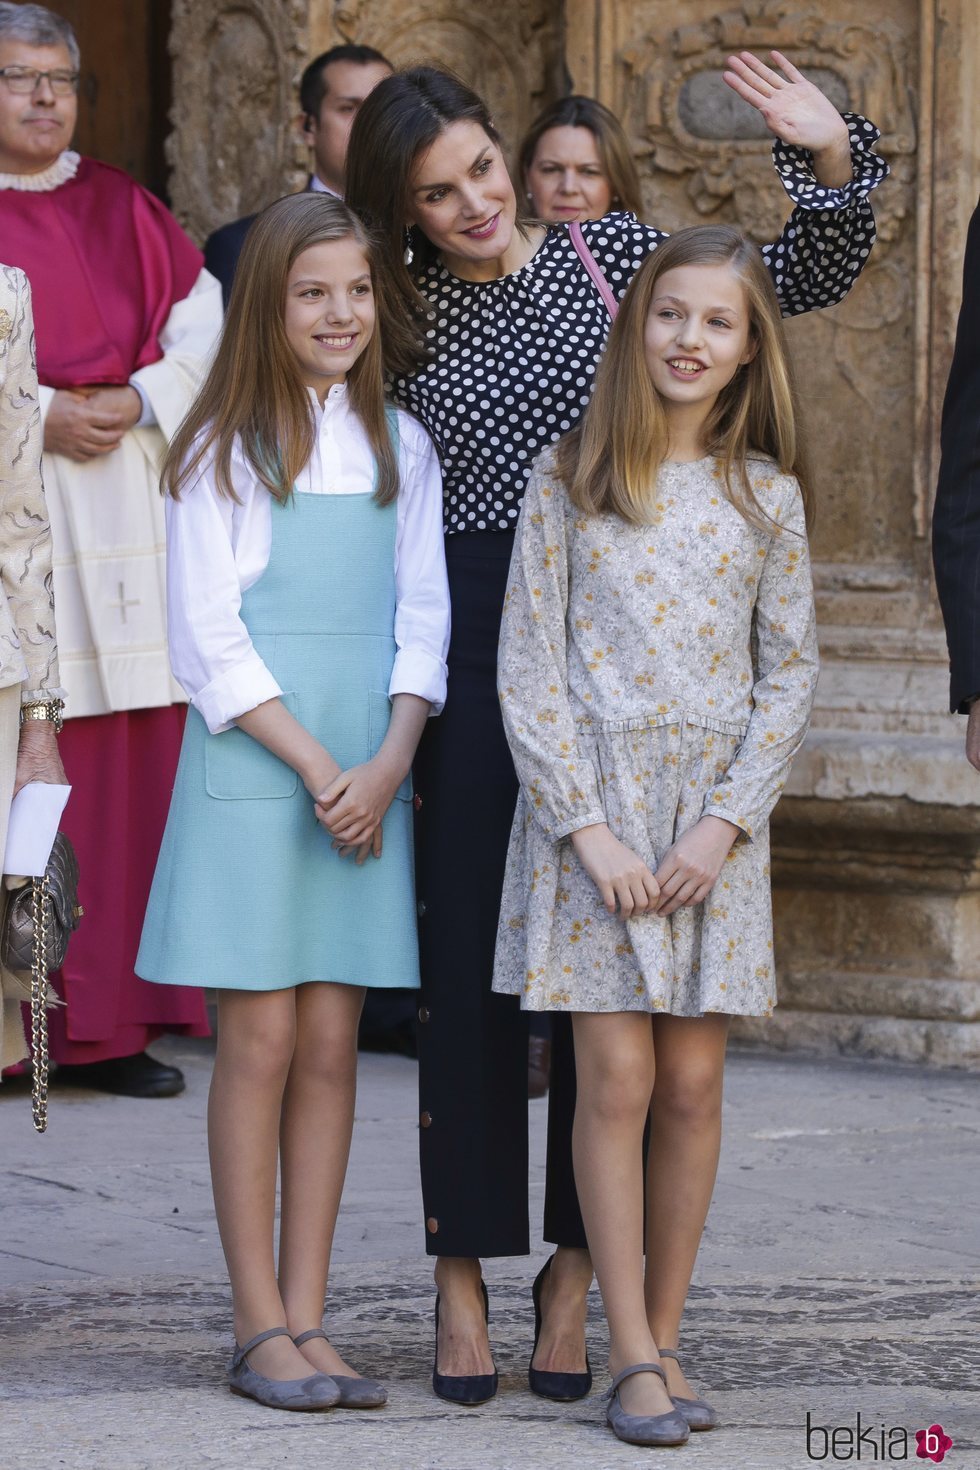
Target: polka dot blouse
[513, 359]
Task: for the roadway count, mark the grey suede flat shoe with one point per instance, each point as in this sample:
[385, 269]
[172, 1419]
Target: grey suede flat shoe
[355, 1393]
[645, 1429]
[698, 1412]
[300, 1394]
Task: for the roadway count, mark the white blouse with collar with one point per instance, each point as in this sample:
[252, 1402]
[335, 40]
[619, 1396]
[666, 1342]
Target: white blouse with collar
[217, 549]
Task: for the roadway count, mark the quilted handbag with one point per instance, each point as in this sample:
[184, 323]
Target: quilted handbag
[39, 921]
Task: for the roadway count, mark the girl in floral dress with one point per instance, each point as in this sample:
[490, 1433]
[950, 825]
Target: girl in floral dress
[657, 668]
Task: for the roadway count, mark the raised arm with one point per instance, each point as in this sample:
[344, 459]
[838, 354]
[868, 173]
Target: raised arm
[828, 168]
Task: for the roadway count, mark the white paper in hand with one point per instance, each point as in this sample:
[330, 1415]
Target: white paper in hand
[34, 816]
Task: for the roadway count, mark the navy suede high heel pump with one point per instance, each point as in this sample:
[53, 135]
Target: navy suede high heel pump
[457, 1388]
[562, 1387]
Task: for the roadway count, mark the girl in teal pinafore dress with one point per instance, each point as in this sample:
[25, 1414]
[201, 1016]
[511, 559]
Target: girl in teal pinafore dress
[309, 623]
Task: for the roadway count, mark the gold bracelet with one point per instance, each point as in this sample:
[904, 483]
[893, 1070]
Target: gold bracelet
[44, 709]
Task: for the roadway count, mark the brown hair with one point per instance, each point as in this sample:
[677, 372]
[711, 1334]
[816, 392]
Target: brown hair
[254, 390]
[395, 126]
[611, 141]
[611, 460]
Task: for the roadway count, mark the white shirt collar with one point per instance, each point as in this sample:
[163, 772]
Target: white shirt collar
[317, 186]
[336, 397]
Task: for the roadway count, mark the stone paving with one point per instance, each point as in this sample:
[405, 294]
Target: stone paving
[838, 1277]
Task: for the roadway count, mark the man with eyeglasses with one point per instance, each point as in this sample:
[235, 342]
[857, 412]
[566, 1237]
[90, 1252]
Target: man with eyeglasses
[125, 319]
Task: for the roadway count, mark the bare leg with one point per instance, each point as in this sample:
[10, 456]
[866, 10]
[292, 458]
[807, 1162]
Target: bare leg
[685, 1140]
[256, 1034]
[615, 1065]
[314, 1145]
[464, 1343]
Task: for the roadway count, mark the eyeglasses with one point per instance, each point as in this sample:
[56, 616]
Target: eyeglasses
[25, 80]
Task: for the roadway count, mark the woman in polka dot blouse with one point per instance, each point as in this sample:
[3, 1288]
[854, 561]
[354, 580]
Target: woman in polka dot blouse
[503, 328]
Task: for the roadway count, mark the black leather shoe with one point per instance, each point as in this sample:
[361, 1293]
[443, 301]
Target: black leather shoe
[562, 1387]
[136, 1076]
[475, 1388]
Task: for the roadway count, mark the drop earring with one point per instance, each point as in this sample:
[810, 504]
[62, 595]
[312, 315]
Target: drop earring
[409, 252]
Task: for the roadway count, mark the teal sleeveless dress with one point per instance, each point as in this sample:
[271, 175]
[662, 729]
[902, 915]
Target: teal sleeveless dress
[248, 892]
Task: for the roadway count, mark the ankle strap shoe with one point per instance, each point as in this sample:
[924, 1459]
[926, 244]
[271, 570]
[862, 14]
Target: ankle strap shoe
[300, 1394]
[698, 1412]
[355, 1393]
[645, 1429]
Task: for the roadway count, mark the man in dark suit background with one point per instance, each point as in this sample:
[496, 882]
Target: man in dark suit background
[331, 90]
[956, 521]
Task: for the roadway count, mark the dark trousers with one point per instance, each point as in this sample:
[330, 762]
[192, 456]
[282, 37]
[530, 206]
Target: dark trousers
[472, 1043]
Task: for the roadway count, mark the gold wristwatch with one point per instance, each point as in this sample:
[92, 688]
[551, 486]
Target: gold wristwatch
[44, 709]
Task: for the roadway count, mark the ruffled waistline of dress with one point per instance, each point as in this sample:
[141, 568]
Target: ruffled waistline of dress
[655, 720]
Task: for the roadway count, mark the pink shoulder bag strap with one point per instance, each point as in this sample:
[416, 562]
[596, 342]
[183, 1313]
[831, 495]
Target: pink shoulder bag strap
[592, 266]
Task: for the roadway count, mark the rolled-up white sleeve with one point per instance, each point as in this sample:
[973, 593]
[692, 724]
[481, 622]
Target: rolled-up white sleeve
[211, 653]
[421, 584]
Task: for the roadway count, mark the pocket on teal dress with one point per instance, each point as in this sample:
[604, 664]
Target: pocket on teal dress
[239, 768]
[379, 718]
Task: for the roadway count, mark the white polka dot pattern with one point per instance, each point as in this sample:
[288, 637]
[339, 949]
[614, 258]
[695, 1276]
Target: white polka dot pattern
[513, 359]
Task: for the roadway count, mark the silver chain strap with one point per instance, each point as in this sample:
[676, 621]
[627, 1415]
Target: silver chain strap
[41, 903]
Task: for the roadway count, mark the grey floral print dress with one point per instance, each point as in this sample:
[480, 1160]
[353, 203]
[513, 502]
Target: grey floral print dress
[650, 675]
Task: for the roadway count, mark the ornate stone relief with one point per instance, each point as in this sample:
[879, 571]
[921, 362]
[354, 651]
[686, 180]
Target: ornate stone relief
[704, 154]
[681, 110]
[237, 65]
[235, 70]
[508, 53]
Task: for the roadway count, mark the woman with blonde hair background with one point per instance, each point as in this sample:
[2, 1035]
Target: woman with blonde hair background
[576, 164]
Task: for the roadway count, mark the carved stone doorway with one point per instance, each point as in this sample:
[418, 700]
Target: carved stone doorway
[877, 843]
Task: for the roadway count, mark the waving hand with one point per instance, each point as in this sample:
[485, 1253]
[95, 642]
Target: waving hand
[795, 110]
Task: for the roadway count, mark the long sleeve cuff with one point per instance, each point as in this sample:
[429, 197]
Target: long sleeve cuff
[795, 168]
[234, 693]
[147, 418]
[44, 397]
[156, 382]
[38, 695]
[566, 800]
[715, 807]
[589, 818]
[417, 672]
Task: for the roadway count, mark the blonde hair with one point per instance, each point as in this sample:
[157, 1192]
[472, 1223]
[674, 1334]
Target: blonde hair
[611, 460]
[254, 390]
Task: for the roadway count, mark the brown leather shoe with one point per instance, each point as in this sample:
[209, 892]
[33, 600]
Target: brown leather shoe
[538, 1066]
